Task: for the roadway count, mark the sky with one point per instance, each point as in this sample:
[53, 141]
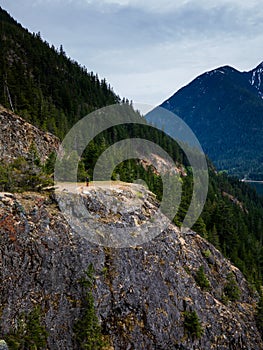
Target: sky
[148, 49]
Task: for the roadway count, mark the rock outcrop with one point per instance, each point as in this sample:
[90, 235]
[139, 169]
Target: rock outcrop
[17, 136]
[141, 293]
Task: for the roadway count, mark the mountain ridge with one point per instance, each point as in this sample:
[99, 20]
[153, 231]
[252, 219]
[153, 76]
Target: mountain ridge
[224, 108]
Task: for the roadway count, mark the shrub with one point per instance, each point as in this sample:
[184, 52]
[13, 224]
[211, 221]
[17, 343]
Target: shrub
[206, 253]
[22, 175]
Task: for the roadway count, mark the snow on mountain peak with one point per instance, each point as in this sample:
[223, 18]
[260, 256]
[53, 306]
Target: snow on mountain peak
[256, 79]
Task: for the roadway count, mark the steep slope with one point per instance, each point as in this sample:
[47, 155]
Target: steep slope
[18, 136]
[224, 107]
[143, 295]
[42, 84]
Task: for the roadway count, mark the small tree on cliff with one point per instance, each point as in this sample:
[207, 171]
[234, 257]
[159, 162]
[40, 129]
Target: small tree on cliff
[87, 329]
[192, 324]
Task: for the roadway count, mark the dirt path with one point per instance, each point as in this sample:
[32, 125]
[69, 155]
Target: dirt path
[81, 187]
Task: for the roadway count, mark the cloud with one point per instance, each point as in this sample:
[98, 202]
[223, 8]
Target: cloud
[148, 80]
[171, 5]
[133, 23]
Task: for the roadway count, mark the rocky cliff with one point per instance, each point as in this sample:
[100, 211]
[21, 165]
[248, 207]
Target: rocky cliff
[17, 136]
[141, 294]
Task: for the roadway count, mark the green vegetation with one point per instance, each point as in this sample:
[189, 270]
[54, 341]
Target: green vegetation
[25, 173]
[105, 271]
[29, 333]
[192, 325]
[233, 216]
[87, 329]
[231, 289]
[201, 279]
[206, 253]
[21, 176]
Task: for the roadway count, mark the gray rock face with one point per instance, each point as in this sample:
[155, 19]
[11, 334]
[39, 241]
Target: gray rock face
[17, 136]
[140, 293]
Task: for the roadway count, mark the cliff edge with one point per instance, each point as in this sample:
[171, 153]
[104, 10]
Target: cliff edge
[142, 295]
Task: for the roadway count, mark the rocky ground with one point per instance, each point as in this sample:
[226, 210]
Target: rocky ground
[17, 136]
[141, 293]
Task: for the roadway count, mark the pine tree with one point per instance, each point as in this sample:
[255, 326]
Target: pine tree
[87, 329]
[192, 325]
[231, 289]
[201, 279]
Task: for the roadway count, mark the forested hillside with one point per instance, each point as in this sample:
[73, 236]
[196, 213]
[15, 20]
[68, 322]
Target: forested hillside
[43, 85]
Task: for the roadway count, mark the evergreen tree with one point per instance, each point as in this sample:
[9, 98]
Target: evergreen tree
[231, 289]
[192, 325]
[87, 329]
[30, 334]
[201, 279]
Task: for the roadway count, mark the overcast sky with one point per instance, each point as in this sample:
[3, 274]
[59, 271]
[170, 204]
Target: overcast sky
[148, 49]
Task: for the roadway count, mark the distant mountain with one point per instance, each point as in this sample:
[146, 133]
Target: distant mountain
[224, 107]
